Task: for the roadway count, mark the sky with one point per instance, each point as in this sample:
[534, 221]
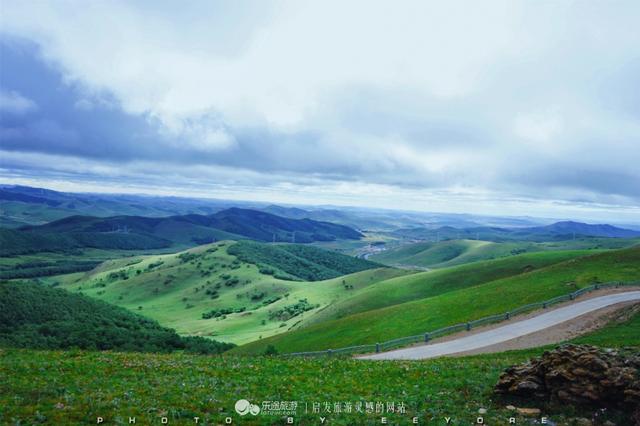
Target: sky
[495, 107]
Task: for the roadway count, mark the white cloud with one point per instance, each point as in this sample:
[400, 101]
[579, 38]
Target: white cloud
[282, 69]
[541, 127]
[13, 102]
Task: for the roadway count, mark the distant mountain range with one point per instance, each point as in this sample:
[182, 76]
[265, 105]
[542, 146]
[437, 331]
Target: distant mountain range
[558, 231]
[137, 232]
[23, 205]
[569, 228]
[20, 205]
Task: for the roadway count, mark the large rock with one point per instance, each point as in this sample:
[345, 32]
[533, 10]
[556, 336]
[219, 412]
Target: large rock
[578, 375]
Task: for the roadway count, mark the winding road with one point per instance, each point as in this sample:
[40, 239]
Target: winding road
[507, 332]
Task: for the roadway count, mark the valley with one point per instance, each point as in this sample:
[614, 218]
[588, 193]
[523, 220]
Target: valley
[178, 289]
[235, 281]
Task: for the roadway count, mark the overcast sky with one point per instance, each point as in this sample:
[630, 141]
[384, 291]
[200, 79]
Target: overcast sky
[499, 107]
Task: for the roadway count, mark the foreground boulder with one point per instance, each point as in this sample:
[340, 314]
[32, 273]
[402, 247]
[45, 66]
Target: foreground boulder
[579, 375]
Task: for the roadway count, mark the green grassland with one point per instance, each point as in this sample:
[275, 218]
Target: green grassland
[456, 252]
[620, 332]
[249, 301]
[430, 313]
[73, 387]
[206, 291]
[177, 289]
[426, 284]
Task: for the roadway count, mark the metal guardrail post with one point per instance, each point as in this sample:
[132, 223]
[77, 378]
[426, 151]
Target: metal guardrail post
[426, 337]
[507, 315]
[571, 296]
[329, 352]
[468, 326]
[544, 305]
[597, 286]
[377, 348]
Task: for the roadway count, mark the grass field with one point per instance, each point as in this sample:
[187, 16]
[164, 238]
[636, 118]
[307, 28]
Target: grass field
[457, 252]
[426, 284]
[616, 334]
[246, 304]
[75, 387]
[177, 289]
[206, 291]
[430, 313]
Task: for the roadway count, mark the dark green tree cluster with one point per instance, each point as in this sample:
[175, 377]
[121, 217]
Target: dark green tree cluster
[41, 317]
[45, 269]
[296, 261]
[216, 313]
[291, 311]
[15, 242]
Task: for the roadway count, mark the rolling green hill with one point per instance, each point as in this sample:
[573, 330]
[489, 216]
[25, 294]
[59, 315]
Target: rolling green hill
[457, 306]
[244, 291]
[456, 252]
[41, 317]
[207, 291]
[445, 253]
[427, 284]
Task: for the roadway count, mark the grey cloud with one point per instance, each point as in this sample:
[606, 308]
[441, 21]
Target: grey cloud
[540, 113]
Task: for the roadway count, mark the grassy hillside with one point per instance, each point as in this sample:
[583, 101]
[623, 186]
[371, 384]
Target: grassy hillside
[206, 291]
[620, 332]
[297, 261]
[448, 253]
[187, 385]
[456, 252]
[37, 316]
[462, 305]
[245, 301]
[432, 283]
